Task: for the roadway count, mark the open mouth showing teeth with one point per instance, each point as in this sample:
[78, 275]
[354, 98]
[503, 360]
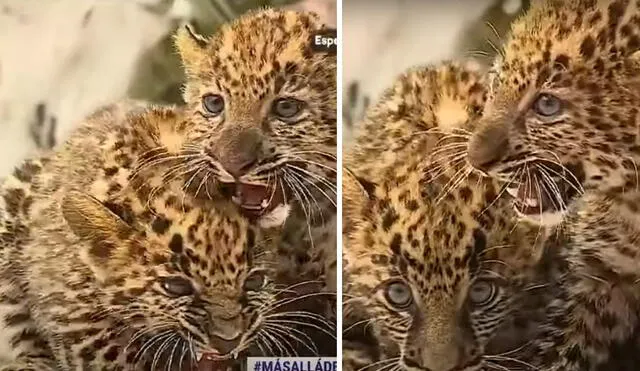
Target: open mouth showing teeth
[254, 200]
[542, 197]
[213, 362]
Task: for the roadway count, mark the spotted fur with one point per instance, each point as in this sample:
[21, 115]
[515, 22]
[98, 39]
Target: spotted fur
[562, 117]
[136, 204]
[419, 218]
[593, 308]
[261, 56]
[104, 300]
[252, 64]
[562, 113]
[77, 308]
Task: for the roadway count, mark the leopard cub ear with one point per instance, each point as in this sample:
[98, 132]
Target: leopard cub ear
[191, 47]
[357, 192]
[91, 221]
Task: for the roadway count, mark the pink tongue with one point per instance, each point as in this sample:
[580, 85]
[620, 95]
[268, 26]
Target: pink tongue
[252, 195]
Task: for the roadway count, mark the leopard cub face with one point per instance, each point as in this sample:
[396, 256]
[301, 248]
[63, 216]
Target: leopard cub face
[191, 279]
[434, 279]
[562, 113]
[261, 109]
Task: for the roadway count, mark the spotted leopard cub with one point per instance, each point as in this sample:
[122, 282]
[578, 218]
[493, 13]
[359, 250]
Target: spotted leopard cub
[124, 294]
[437, 99]
[262, 105]
[433, 260]
[562, 114]
[435, 279]
[562, 122]
[595, 304]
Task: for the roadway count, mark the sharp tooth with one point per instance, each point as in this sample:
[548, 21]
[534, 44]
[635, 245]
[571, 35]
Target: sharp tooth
[236, 200]
[264, 203]
[531, 202]
[199, 356]
[513, 192]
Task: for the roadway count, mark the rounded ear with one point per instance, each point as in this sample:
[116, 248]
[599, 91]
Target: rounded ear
[90, 219]
[93, 222]
[191, 47]
[357, 192]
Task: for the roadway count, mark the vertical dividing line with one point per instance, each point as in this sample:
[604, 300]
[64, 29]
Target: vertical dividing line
[339, 186]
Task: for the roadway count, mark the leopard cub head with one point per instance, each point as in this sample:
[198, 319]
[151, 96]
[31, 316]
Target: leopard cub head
[197, 277]
[433, 255]
[433, 278]
[562, 112]
[261, 109]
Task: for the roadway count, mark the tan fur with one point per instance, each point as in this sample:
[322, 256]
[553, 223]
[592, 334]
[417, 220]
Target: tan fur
[416, 215]
[150, 165]
[252, 62]
[584, 54]
[80, 255]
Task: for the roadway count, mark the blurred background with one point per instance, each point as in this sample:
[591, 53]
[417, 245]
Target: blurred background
[62, 59]
[383, 38]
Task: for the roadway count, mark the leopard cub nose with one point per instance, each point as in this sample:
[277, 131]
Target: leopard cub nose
[487, 148]
[239, 164]
[240, 151]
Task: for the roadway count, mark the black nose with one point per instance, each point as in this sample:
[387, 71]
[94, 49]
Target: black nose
[224, 345]
[488, 147]
[241, 151]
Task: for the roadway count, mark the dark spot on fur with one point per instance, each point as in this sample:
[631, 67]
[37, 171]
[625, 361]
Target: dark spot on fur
[111, 171]
[26, 172]
[588, 47]
[15, 319]
[123, 160]
[412, 205]
[480, 241]
[390, 217]
[176, 243]
[13, 199]
[158, 259]
[465, 194]
[87, 354]
[396, 241]
[122, 211]
[562, 60]
[368, 186]
[112, 353]
[160, 224]
[101, 250]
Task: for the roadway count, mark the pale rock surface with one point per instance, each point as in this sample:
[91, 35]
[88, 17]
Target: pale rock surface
[70, 55]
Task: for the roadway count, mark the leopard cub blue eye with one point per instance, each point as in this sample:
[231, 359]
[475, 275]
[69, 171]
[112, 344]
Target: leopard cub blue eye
[398, 294]
[177, 286]
[287, 107]
[547, 105]
[213, 104]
